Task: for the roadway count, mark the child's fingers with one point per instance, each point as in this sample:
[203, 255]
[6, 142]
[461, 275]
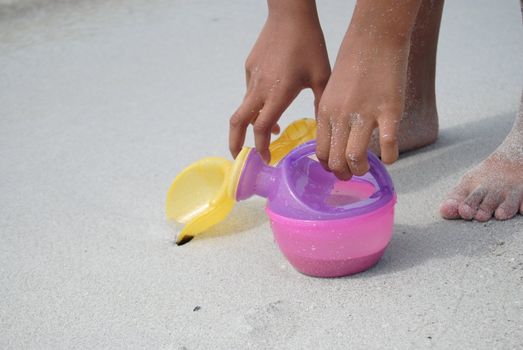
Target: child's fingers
[389, 141]
[357, 146]
[239, 122]
[323, 140]
[337, 161]
[276, 129]
[265, 124]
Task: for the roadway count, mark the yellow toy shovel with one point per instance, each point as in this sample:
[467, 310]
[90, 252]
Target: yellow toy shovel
[204, 193]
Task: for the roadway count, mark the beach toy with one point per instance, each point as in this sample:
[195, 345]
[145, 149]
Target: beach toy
[325, 227]
[204, 193]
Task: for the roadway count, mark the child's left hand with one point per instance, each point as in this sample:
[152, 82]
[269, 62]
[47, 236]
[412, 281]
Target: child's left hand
[289, 56]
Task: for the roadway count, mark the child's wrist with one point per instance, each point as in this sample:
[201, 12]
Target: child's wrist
[293, 11]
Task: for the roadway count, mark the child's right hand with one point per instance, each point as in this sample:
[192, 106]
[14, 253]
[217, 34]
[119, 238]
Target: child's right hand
[367, 87]
[289, 56]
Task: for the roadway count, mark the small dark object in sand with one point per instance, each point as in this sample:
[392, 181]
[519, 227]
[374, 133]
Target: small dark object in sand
[185, 239]
[197, 308]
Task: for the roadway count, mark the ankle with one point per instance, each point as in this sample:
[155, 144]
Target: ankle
[421, 103]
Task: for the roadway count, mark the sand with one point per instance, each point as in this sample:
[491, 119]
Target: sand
[104, 102]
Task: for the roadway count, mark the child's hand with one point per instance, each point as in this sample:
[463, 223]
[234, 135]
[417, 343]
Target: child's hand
[288, 57]
[366, 88]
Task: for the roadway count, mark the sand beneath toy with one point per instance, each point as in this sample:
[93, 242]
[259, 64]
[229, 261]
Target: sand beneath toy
[104, 102]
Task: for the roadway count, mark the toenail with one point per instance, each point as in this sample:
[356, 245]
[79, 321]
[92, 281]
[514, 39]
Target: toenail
[482, 215]
[466, 212]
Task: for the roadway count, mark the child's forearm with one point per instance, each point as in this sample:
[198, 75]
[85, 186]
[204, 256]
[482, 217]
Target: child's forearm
[383, 21]
[301, 10]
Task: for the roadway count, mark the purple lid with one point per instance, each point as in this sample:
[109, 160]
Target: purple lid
[298, 187]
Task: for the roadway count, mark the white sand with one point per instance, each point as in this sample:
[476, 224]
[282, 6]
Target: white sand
[104, 102]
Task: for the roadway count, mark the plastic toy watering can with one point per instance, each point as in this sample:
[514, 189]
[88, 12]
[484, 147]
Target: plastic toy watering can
[204, 193]
[325, 227]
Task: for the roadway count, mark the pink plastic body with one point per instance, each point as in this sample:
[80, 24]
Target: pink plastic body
[325, 227]
[334, 248]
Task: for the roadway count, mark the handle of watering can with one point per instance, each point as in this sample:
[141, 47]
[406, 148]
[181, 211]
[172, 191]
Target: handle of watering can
[377, 169]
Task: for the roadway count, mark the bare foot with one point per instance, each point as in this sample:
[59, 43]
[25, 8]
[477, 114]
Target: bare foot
[495, 186]
[419, 124]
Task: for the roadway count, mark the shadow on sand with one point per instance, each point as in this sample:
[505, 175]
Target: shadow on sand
[412, 246]
[457, 149]
[245, 216]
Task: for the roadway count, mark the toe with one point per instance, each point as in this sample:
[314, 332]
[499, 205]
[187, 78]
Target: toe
[449, 208]
[467, 210]
[483, 215]
[510, 206]
[488, 205]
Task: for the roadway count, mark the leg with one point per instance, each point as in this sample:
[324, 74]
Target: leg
[419, 125]
[495, 186]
